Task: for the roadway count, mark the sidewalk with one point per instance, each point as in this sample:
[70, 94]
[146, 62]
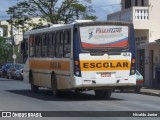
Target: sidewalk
[150, 91]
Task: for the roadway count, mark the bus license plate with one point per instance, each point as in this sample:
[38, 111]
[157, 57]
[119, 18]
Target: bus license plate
[105, 74]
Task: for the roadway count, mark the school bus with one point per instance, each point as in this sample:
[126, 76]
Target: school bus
[83, 55]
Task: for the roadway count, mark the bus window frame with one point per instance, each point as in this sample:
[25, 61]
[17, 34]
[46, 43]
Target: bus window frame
[32, 44]
[69, 40]
[58, 44]
[39, 45]
[53, 41]
[44, 43]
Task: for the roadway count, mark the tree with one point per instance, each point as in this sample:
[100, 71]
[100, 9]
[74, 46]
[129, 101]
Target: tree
[53, 11]
[5, 51]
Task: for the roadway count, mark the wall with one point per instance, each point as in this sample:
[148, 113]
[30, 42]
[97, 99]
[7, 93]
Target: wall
[154, 19]
[156, 61]
[1, 32]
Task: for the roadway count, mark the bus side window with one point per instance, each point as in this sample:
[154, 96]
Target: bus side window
[59, 44]
[38, 46]
[31, 46]
[51, 44]
[44, 45]
[67, 44]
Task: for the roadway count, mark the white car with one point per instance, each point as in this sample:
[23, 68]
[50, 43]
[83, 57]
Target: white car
[138, 86]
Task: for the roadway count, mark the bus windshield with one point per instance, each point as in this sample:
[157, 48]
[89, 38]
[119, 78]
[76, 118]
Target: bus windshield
[104, 36]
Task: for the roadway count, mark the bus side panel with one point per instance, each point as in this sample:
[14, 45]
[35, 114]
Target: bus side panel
[26, 71]
[42, 71]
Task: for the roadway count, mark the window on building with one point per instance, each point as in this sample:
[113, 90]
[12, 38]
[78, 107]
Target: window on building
[136, 2]
[142, 2]
[128, 4]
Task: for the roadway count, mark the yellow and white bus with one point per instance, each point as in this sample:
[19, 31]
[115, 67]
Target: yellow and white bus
[88, 55]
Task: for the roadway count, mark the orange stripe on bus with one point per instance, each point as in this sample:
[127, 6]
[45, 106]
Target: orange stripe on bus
[50, 65]
[102, 65]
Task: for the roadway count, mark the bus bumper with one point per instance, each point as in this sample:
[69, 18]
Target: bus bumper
[104, 82]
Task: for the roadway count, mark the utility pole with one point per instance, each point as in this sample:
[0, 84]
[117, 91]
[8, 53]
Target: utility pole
[12, 38]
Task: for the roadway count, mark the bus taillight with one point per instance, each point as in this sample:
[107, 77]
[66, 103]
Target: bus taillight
[77, 71]
[133, 66]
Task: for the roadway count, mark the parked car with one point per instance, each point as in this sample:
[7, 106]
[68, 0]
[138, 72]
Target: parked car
[5, 68]
[139, 82]
[1, 73]
[11, 72]
[138, 86]
[19, 73]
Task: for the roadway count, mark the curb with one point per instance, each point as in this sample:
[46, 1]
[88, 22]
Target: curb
[150, 93]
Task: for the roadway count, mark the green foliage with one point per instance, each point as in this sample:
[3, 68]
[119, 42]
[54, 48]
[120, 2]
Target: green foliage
[53, 11]
[5, 51]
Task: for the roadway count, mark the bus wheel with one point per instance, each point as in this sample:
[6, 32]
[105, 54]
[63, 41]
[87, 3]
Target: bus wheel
[122, 90]
[137, 90]
[54, 88]
[103, 94]
[34, 88]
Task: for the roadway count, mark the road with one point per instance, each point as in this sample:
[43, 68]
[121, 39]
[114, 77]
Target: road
[16, 96]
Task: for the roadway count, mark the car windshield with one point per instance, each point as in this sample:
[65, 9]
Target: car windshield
[9, 66]
[137, 73]
[19, 66]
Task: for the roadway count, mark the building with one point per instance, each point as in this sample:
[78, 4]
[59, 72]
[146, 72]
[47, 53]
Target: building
[143, 14]
[1, 32]
[18, 33]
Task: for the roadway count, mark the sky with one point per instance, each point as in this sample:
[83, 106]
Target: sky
[102, 8]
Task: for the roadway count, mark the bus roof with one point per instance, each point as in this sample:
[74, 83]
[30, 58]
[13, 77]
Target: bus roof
[76, 23]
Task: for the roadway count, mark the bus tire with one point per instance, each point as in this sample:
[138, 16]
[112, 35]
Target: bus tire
[122, 90]
[34, 88]
[55, 91]
[103, 94]
[137, 90]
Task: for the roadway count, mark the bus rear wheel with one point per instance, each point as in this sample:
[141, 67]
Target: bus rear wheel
[34, 88]
[103, 94]
[55, 91]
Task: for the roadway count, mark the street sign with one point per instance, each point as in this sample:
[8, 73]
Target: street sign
[14, 56]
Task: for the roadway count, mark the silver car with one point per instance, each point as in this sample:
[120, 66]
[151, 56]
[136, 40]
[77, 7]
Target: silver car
[138, 86]
[12, 71]
[19, 74]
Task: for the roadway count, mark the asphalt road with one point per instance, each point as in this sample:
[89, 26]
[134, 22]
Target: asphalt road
[16, 96]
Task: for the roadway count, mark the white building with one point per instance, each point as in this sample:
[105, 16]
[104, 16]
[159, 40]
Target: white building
[1, 32]
[145, 17]
[17, 32]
